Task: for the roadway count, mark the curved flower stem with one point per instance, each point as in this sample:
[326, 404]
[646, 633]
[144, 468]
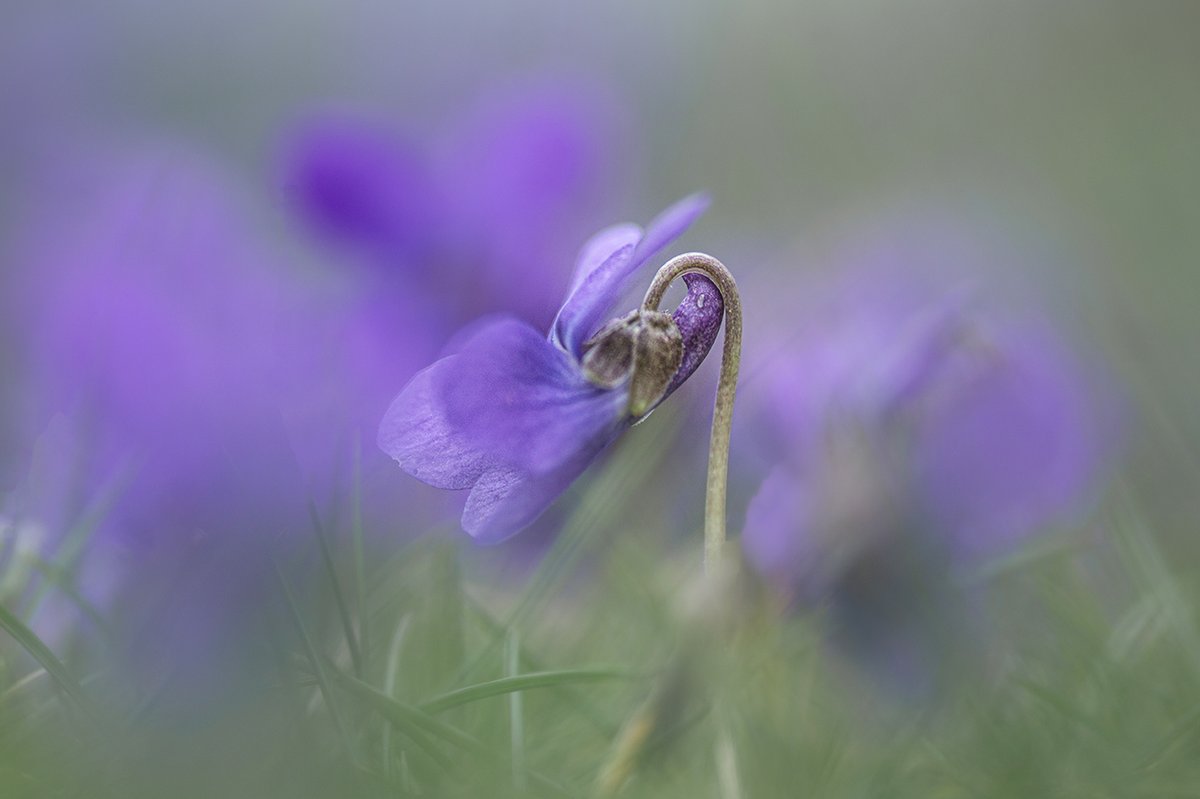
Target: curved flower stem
[731, 356]
[632, 740]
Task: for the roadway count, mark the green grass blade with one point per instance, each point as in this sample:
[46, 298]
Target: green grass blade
[391, 670]
[360, 565]
[339, 597]
[406, 717]
[46, 659]
[410, 720]
[522, 682]
[61, 580]
[516, 712]
[318, 664]
[1176, 738]
[20, 685]
[607, 726]
[1148, 564]
[70, 551]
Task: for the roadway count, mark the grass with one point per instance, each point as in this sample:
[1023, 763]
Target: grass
[417, 670]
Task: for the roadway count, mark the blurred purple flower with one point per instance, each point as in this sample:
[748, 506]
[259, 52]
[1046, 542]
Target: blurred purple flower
[359, 183]
[915, 432]
[152, 313]
[516, 416]
[530, 165]
[503, 194]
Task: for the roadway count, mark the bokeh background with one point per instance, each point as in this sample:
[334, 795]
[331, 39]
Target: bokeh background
[230, 233]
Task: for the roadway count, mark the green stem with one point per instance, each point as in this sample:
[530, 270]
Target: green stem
[632, 740]
[731, 356]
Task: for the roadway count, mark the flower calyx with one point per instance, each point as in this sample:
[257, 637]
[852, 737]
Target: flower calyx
[643, 349]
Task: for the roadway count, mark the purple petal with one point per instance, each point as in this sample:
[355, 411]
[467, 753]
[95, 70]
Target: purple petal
[505, 500]
[1014, 447]
[508, 416]
[535, 151]
[417, 434]
[524, 169]
[523, 401]
[587, 305]
[593, 296]
[776, 539]
[355, 180]
[670, 225]
[599, 247]
[698, 318]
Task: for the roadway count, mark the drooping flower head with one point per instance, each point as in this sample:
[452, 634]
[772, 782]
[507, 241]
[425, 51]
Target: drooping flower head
[430, 224]
[515, 416]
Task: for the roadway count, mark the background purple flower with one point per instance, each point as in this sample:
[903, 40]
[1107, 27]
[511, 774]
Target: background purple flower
[918, 427]
[1015, 444]
[506, 190]
[152, 310]
[356, 180]
[512, 415]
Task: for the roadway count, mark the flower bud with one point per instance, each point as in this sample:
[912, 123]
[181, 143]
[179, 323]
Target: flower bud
[644, 348]
[608, 355]
[657, 355]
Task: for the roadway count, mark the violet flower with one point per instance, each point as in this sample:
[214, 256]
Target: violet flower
[515, 416]
[356, 182]
[427, 232]
[504, 190]
[916, 433]
[152, 361]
